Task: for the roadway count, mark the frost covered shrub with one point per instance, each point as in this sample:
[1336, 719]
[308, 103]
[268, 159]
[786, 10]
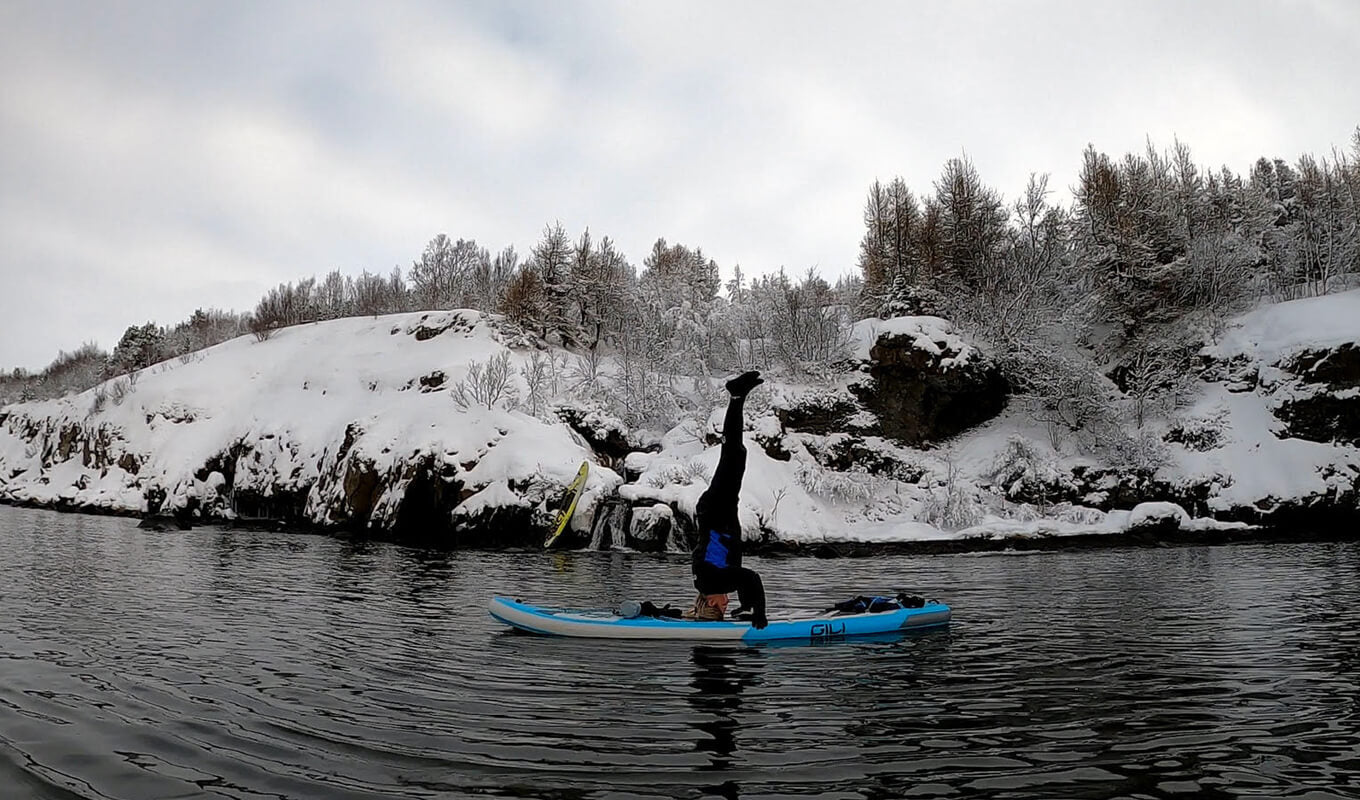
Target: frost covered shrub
[1080, 515]
[949, 505]
[1142, 451]
[538, 380]
[678, 474]
[880, 507]
[1197, 433]
[585, 375]
[801, 324]
[1021, 470]
[487, 384]
[950, 508]
[1070, 394]
[840, 487]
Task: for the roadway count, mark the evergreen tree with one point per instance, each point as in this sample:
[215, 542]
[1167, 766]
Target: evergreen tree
[140, 346]
[887, 253]
[972, 225]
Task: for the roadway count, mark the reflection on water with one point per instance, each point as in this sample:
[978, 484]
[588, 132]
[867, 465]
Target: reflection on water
[718, 681]
[210, 663]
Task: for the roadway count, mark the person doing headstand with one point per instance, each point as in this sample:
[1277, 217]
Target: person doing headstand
[716, 558]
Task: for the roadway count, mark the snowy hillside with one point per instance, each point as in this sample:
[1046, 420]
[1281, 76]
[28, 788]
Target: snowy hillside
[394, 424]
[294, 425]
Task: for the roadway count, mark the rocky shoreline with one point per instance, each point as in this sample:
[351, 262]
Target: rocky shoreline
[1158, 537]
[875, 461]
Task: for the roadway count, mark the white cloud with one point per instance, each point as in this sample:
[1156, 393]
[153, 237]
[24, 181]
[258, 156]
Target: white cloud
[189, 155]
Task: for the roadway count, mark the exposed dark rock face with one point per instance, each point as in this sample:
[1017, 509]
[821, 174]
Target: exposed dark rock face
[283, 505]
[1325, 405]
[773, 447]
[455, 322]
[844, 452]
[164, 524]
[1323, 417]
[362, 486]
[433, 381]
[1338, 367]
[493, 527]
[432, 493]
[607, 436]
[921, 396]
[912, 394]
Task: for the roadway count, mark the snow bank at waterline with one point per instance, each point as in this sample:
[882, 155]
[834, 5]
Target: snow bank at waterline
[353, 424]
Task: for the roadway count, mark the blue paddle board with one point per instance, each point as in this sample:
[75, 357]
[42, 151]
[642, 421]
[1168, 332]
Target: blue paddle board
[810, 627]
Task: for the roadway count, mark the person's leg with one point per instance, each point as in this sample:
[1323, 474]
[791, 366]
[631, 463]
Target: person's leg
[719, 545]
[726, 483]
[719, 501]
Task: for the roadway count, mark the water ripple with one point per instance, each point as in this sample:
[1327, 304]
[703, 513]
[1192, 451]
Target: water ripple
[249, 665]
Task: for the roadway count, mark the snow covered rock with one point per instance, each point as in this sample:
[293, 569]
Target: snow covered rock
[654, 528]
[1156, 518]
[1324, 404]
[926, 383]
[606, 435]
[919, 382]
[1303, 356]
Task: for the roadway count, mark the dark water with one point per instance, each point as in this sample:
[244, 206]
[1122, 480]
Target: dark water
[234, 664]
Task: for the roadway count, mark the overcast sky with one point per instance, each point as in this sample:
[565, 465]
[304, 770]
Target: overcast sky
[156, 157]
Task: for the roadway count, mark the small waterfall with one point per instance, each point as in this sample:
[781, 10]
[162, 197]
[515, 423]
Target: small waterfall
[618, 526]
[677, 541]
[610, 530]
[597, 529]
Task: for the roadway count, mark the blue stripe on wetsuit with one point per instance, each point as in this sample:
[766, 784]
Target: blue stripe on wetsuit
[716, 554]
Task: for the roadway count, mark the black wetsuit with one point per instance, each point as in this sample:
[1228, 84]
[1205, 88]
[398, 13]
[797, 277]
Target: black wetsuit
[717, 556]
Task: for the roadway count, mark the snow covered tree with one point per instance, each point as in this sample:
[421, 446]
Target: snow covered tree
[1190, 199]
[676, 296]
[369, 295]
[806, 325]
[1127, 244]
[526, 302]
[442, 276]
[552, 259]
[140, 346]
[304, 301]
[1028, 283]
[204, 328]
[600, 278]
[972, 226]
[1322, 230]
[490, 277]
[332, 296]
[887, 253]
[1154, 378]
[398, 295]
[75, 371]
[679, 275]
